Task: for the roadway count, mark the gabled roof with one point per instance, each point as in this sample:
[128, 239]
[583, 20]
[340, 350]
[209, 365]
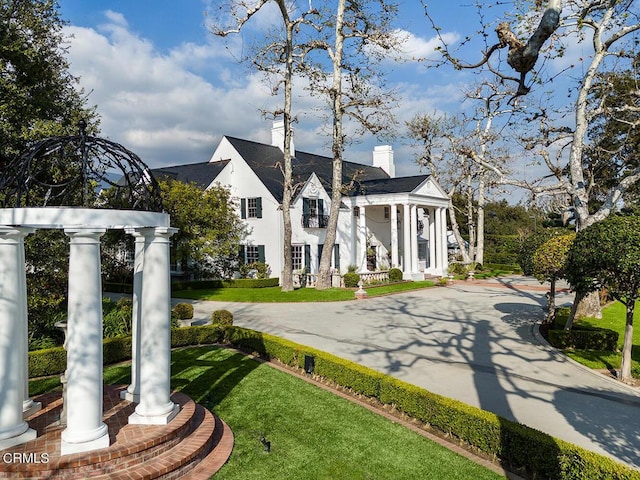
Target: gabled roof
[202, 174]
[265, 161]
[387, 185]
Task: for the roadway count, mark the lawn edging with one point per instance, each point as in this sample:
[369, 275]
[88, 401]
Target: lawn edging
[523, 449]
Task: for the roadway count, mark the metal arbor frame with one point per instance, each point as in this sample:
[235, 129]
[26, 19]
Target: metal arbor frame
[79, 170]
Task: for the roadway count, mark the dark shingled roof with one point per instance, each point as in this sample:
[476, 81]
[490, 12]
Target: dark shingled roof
[387, 185]
[265, 161]
[202, 174]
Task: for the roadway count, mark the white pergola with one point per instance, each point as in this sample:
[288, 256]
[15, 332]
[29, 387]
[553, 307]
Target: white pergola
[151, 351]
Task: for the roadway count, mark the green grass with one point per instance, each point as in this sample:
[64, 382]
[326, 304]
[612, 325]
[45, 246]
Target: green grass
[276, 295]
[266, 295]
[313, 433]
[614, 318]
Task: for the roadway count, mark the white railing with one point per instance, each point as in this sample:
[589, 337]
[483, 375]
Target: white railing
[311, 279]
[374, 277]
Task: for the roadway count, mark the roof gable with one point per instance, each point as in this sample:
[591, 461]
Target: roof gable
[266, 162]
[202, 174]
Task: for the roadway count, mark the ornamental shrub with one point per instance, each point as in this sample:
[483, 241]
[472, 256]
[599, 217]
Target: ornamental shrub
[351, 279]
[395, 275]
[183, 311]
[222, 317]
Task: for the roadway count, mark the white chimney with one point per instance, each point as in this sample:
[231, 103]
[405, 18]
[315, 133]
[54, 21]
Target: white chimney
[383, 158]
[277, 137]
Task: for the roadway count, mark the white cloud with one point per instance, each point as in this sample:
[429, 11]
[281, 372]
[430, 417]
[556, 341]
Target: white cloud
[153, 103]
[415, 47]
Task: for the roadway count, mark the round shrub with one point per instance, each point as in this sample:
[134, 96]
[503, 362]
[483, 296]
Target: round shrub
[183, 311]
[222, 317]
[395, 275]
[351, 279]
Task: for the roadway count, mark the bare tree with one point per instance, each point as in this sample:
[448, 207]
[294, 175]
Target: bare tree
[277, 58]
[608, 28]
[361, 36]
[454, 149]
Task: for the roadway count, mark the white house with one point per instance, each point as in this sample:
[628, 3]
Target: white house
[384, 221]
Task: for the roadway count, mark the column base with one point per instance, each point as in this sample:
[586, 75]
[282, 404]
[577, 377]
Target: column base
[24, 437]
[67, 448]
[130, 396]
[163, 419]
[30, 407]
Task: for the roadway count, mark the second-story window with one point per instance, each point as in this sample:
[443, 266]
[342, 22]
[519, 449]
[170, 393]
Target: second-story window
[251, 207]
[313, 215]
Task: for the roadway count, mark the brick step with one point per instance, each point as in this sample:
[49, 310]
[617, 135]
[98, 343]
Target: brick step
[174, 462]
[223, 445]
[161, 449]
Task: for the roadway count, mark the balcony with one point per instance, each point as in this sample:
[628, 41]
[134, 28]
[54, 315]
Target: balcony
[315, 221]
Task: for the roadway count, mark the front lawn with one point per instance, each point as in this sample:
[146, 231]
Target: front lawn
[276, 295]
[614, 318]
[313, 433]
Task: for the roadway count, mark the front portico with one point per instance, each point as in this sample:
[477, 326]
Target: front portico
[401, 223]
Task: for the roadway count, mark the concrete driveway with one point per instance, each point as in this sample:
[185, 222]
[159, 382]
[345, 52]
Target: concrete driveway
[475, 343]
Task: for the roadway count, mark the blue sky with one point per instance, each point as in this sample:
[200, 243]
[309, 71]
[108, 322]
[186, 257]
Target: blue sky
[168, 89]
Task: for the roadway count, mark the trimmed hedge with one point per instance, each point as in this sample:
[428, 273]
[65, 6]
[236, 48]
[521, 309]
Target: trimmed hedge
[183, 311]
[222, 317]
[601, 339]
[118, 287]
[351, 279]
[53, 361]
[521, 447]
[235, 283]
[581, 337]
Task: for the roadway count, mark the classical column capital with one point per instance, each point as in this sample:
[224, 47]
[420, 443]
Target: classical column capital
[11, 233]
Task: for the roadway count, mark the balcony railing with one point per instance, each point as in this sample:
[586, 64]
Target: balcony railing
[315, 221]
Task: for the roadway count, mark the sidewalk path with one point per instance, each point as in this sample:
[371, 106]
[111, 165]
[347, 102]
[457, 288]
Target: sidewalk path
[471, 341]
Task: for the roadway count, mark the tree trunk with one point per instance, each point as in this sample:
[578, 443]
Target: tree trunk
[480, 231]
[625, 366]
[455, 228]
[287, 272]
[574, 309]
[551, 312]
[589, 306]
[324, 272]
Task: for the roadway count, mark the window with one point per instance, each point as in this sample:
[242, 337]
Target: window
[296, 257]
[356, 211]
[313, 213]
[251, 207]
[252, 253]
[387, 212]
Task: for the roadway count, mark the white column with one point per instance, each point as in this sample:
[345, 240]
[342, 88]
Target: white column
[85, 429]
[406, 234]
[414, 239]
[432, 241]
[437, 239]
[29, 407]
[155, 407]
[132, 393]
[363, 240]
[445, 253]
[394, 235]
[13, 340]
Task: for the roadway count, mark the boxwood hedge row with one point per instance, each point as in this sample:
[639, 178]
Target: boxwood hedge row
[523, 449]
